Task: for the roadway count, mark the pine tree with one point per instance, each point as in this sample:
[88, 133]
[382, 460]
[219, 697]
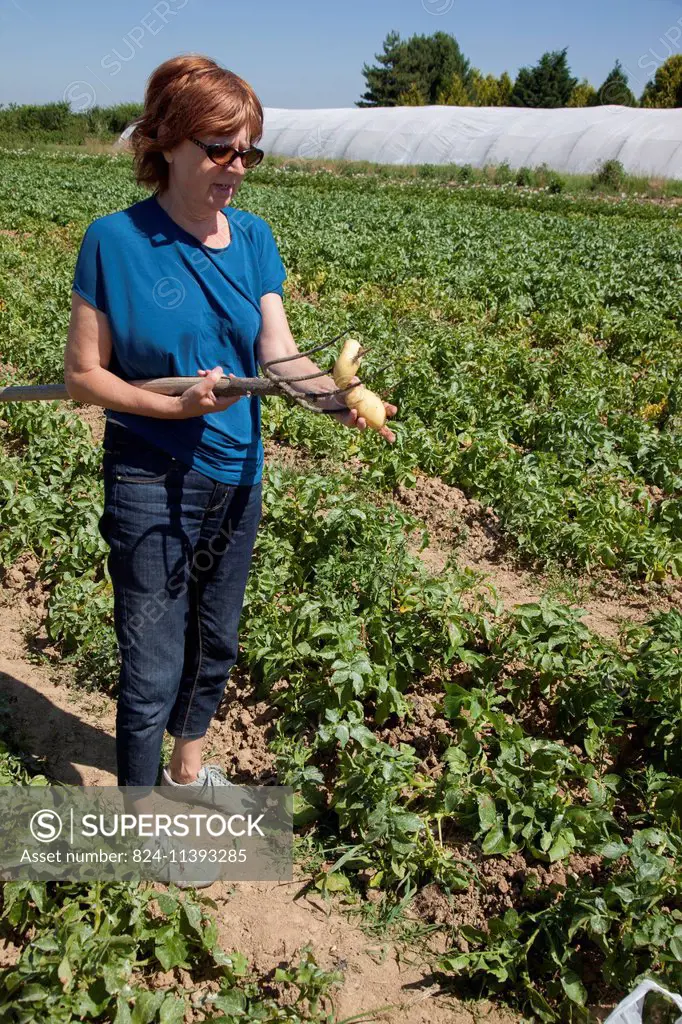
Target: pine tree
[385, 83]
[548, 84]
[429, 62]
[615, 89]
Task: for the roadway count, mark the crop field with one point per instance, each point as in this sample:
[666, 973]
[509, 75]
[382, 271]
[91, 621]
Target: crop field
[464, 649]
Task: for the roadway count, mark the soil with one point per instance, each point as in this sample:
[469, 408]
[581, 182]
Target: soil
[467, 533]
[273, 921]
[93, 415]
[9, 953]
[69, 734]
[501, 882]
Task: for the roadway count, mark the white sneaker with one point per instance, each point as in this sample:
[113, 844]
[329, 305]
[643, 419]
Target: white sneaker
[161, 869]
[207, 777]
[202, 791]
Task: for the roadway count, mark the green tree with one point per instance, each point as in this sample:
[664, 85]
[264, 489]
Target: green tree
[427, 61]
[455, 94]
[431, 61]
[385, 83]
[489, 91]
[548, 84]
[583, 95]
[615, 89]
[666, 88]
[412, 97]
[506, 87]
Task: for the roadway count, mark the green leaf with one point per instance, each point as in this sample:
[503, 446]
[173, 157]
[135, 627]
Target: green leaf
[600, 925]
[539, 1003]
[334, 881]
[193, 915]
[65, 974]
[122, 1011]
[496, 841]
[342, 734]
[166, 902]
[454, 963]
[172, 951]
[574, 988]
[528, 611]
[146, 1005]
[233, 1001]
[37, 893]
[222, 958]
[408, 822]
[487, 812]
[563, 846]
[114, 976]
[624, 893]
[612, 850]
[172, 1009]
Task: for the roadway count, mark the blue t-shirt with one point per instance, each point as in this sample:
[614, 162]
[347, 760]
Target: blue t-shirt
[175, 305]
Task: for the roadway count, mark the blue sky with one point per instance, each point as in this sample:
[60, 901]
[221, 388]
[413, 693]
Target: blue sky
[310, 54]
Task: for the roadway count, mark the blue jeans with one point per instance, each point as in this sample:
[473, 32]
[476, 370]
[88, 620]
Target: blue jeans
[181, 547]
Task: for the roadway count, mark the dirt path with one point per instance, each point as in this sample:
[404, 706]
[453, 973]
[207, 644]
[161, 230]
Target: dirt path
[464, 530]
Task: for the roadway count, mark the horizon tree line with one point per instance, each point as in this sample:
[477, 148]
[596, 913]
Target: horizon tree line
[428, 70]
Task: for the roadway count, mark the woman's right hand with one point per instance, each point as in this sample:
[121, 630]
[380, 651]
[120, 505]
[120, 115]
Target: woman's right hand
[200, 398]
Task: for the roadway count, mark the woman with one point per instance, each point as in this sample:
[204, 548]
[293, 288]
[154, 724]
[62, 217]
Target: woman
[180, 284]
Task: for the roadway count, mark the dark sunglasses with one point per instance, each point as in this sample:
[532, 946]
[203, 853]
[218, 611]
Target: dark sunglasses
[223, 155]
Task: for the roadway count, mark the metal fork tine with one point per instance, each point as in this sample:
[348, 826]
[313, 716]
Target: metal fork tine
[308, 399]
[306, 376]
[336, 391]
[307, 352]
[316, 395]
[325, 373]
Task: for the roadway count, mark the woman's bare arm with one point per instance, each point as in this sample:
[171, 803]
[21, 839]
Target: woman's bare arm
[276, 340]
[87, 379]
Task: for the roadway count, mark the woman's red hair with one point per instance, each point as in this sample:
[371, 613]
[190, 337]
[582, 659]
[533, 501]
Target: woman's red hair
[189, 95]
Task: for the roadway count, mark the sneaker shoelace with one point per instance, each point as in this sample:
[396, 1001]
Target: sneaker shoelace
[215, 776]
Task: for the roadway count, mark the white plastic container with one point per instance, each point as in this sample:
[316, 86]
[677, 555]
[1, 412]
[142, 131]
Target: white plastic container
[630, 1009]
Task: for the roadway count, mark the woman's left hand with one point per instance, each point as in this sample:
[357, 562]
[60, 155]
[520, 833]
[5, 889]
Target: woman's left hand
[351, 419]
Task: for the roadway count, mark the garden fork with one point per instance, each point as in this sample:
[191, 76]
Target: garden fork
[272, 384]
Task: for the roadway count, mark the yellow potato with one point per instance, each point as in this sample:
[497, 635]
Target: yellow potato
[368, 405]
[347, 364]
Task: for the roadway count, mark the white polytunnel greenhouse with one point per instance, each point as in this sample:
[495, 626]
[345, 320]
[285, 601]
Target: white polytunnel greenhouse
[573, 140]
